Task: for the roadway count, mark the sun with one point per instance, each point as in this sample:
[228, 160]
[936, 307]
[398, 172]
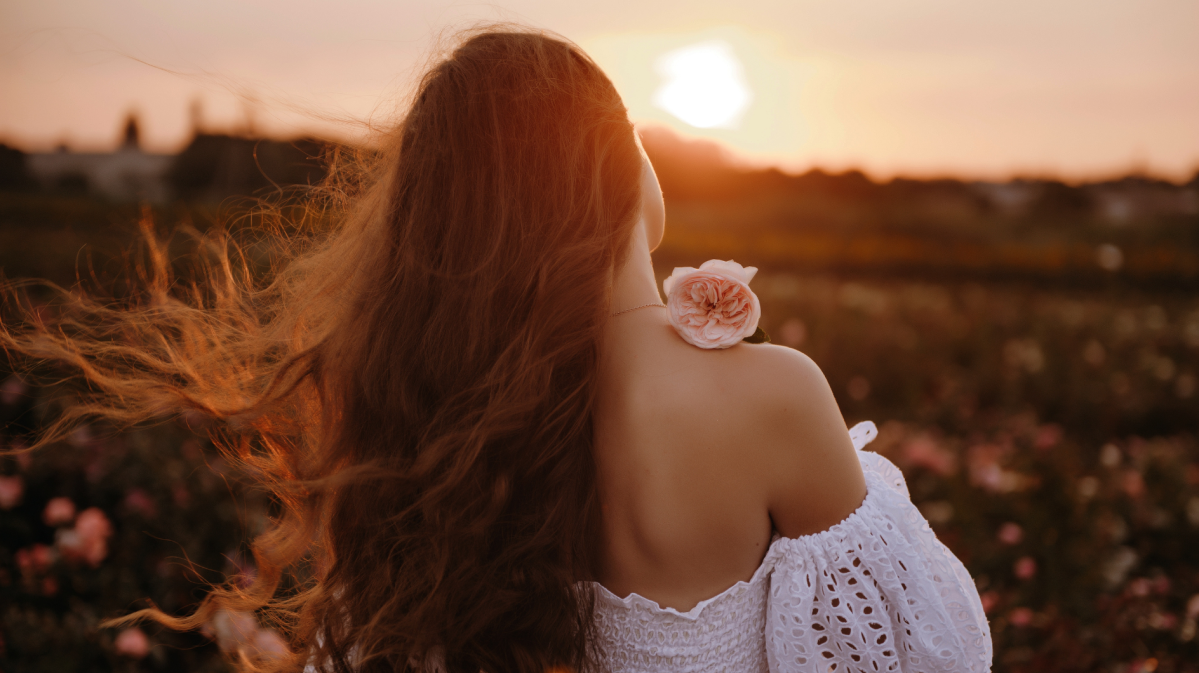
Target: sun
[703, 85]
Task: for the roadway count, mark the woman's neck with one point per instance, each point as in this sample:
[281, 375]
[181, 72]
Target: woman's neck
[634, 284]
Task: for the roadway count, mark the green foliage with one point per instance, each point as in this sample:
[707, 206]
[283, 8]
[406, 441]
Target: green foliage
[758, 337]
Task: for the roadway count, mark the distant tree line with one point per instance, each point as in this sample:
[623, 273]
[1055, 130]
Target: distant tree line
[1140, 228]
[216, 166]
[212, 167]
[708, 192]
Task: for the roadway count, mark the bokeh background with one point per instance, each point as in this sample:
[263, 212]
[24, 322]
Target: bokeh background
[980, 219]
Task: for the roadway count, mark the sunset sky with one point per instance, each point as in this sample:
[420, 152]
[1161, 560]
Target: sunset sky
[980, 89]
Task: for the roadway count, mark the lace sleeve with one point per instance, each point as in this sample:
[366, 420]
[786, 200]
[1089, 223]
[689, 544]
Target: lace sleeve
[877, 592]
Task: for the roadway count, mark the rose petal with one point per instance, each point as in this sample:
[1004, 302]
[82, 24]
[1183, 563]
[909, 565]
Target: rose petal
[743, 274]
[678, 272]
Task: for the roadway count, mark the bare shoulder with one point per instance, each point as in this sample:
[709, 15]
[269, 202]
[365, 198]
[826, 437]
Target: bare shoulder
[800, 446]
[774, 370]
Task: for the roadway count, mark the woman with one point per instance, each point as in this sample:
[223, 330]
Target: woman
[493, 451]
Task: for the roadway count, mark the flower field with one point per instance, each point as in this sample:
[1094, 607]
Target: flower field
[1049, 437]
[1050, 434]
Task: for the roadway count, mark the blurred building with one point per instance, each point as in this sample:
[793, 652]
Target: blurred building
[1132, 198]
[212, 167]
[128, 174]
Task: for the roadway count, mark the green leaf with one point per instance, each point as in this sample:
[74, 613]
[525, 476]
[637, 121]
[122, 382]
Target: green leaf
[758, 337]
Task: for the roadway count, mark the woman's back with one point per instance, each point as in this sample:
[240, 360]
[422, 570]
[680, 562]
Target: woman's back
[703, 454]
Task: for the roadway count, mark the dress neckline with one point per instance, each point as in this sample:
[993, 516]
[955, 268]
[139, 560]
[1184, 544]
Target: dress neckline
[635, 599]
[776, 549]
[861, 434]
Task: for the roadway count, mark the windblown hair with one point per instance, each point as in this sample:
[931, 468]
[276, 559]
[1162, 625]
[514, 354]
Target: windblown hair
[416, 387]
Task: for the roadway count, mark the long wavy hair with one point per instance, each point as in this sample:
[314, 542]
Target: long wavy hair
[414, 387]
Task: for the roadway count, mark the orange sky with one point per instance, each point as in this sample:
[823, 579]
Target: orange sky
[924, 87]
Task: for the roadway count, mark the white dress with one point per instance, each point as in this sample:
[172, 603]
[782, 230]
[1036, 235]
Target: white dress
[876, 592]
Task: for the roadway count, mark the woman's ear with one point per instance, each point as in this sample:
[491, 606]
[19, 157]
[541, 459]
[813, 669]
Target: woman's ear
[653, 208]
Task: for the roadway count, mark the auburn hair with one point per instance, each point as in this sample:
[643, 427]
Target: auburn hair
[415, 386]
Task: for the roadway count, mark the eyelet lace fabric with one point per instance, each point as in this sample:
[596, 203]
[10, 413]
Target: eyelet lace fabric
[877, 592]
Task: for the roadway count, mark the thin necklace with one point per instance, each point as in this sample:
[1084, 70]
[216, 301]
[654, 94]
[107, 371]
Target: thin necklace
[637, 307]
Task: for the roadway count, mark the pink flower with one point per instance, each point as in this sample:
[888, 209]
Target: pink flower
[1020, 617]
[270, 645]
[12, 390]
[88, 540]
[922, 450]
[984, 466]
[24, 458]
[1133, 484]
[139, 501]
[1165, 621]
[1161, 584]
[1025, 568]
[1048, 436]
[80, 436]
[42, 557]
[244, 572]
[11, 490]
[58, 512]
[35, 560]
[233, 630]
[132, 643]
[1146, 666]
[93, 524]
[712, 306]
[989, 600]
[986, 471]
[1010, 533]
[24, 561]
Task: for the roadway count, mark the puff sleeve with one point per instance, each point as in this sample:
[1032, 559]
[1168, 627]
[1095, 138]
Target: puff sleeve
[877, 592]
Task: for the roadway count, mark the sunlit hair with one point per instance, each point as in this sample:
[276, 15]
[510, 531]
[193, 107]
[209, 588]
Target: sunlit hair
[414, 388]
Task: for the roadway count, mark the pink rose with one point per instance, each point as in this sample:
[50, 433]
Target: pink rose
[233, 629]
[924, 451]
[88, 540]
[11, 489]
[139, 501]
[132, 643]
[236, 631]
[1048, 436]
[59, 511]
[12, 390]
[93, 524]
[1020, 617]
[1140, 587]
[989, 600]
[1133, 484]
[35, 560]
[1025, 568]
[712, 306]
[1010, 533]
[268, 644]
[42, 556]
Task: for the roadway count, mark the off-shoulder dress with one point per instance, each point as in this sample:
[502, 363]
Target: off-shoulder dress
[876, 592]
